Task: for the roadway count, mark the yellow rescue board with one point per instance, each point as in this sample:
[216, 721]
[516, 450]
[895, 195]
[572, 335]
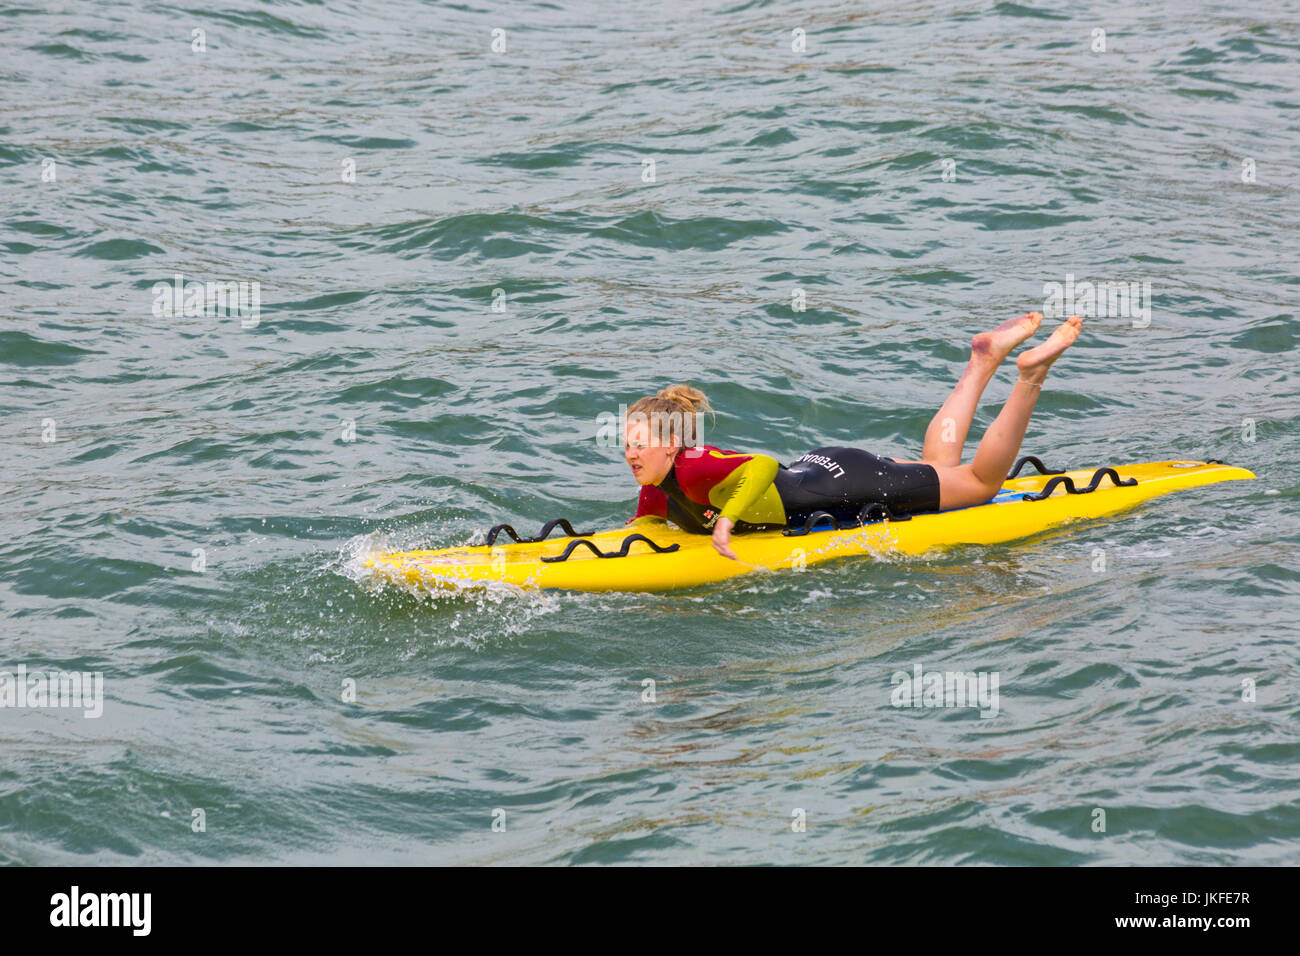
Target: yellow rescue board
[1005, 518]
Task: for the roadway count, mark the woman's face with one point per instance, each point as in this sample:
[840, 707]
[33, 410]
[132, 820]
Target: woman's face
[649, 460]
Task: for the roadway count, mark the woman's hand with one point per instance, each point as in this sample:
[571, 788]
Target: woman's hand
[722, 538]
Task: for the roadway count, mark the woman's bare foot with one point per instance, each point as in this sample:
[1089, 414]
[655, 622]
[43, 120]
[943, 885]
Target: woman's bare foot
[1035, 362]
[993, 347]
[946, 435]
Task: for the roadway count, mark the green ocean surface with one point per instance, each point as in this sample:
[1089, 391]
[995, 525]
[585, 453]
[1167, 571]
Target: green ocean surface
[465, 255]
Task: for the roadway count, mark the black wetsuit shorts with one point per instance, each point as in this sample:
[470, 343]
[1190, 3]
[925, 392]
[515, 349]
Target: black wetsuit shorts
[843, 480]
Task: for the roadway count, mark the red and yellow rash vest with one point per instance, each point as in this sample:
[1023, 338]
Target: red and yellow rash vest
[706, 483]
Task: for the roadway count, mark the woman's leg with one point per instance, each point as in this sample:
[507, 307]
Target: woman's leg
[979, 481]
[946, 435]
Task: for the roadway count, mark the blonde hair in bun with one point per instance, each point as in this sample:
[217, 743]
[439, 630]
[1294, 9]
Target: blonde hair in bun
[673, 413]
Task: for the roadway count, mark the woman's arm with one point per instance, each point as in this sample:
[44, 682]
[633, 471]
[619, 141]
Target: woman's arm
[752, 479]
[652, 502]
[748, 483]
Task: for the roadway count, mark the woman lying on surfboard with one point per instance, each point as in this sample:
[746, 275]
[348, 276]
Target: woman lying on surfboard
[705, 490]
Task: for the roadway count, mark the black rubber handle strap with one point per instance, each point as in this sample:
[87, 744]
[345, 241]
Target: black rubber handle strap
[621, 553]
[1068, 482]
[879, 511]
[1101, 473]
[633, 539]
[547, 528]
[871, 512]
[496, 530]
[570, 549]
[1037, 463]
[814, 519]
[1052, 486]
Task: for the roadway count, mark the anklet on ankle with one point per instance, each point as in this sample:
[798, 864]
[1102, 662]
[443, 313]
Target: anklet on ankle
[1025, 381]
